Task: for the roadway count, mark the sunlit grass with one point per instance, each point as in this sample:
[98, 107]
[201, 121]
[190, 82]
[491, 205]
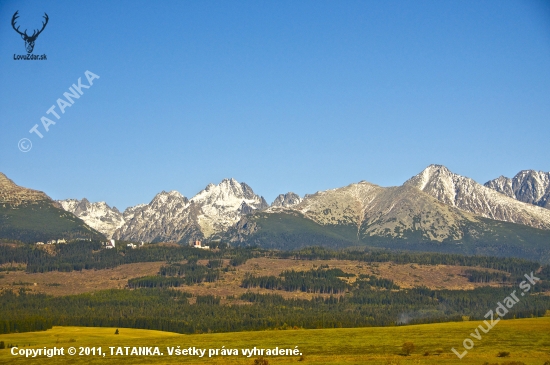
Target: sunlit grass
[527, 340]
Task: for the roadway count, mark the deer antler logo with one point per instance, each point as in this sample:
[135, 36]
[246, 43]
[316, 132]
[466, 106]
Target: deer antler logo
[29, 40]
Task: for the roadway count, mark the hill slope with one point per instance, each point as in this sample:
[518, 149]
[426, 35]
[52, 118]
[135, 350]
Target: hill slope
[30, 216]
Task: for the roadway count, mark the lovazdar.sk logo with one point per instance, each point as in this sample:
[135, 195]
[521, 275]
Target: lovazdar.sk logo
[29, 39]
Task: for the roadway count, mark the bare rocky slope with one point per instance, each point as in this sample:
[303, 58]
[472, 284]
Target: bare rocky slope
[364, 210]
[286, 200]
[434, 211]
[15, 195]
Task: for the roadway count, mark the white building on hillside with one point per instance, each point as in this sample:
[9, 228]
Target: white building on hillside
[198, 244]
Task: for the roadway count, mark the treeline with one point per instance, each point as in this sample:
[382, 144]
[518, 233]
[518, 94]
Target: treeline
[516, 267]
[175, 275]
[478, 276]
[169, 310]
[326, 281]
[312, 281]
[83, 255]
[27, 324]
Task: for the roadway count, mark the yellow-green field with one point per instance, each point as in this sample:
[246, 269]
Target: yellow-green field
[527, 340]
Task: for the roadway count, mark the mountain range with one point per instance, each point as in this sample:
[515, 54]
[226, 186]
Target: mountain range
[172, 217]
[435, 210]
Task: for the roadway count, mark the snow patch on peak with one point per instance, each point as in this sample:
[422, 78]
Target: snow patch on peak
[99, 215]
[222, 205]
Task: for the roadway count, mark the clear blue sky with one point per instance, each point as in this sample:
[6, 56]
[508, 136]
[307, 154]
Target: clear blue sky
[283, 95]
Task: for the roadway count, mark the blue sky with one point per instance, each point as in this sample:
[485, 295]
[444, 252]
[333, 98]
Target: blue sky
[284, 95]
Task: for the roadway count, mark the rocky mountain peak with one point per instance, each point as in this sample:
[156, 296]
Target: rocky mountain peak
[171, 216]
[528, 186]
[16, 195]
[168, 200]
[503, 185]
[5, 182]
[440, 182]
[466, 194]
[99, 215]
[229, 192]
[222, 205]
[286, 200]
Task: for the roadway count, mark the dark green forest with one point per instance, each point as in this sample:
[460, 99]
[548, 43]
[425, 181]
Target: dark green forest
[169, 310]
[320, 280]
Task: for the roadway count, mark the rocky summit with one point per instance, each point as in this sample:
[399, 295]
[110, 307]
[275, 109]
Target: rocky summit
[286, 200]
[98, 215]
[15, 195]
[172, 217]
[528, 186]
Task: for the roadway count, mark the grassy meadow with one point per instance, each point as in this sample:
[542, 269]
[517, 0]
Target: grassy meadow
[527, 341]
